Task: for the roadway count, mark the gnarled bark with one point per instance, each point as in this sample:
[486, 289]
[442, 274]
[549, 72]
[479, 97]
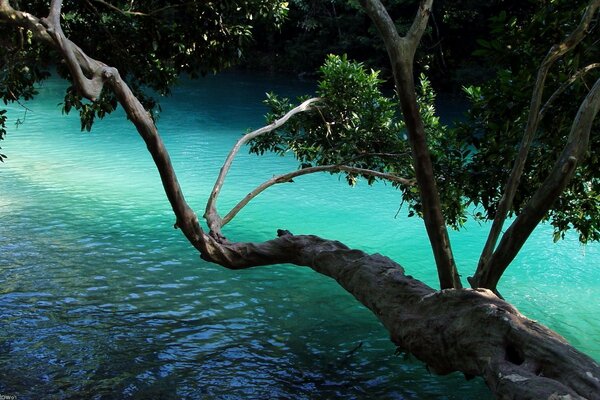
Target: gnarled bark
[466, 330]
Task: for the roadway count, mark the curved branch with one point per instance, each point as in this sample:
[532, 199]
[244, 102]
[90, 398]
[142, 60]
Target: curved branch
[537, 207]
[305, 171]
[211, 214]
[83, 65]
[90, 88]
[510, 189]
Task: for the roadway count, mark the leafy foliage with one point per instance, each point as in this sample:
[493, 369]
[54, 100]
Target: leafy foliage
[355, 124]
[151, 43]
[497, 119]
[316, 28]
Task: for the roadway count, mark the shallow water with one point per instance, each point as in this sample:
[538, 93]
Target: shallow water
[101, 298]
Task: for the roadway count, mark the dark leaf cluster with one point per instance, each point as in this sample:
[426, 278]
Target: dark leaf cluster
[151, 43]
[517, 43]
[355, 124]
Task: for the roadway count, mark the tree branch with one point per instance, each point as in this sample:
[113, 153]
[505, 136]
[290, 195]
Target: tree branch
[506, 349]
[90, 88]
[24, 20]
[81, 64]
[394, 43]
[517, 357]
[401, 54]
[305, 171]
[510, 189]
[415, 33]
[540, 203]
[211, 214]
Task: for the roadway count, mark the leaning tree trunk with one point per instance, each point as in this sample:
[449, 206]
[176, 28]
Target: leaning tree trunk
[466, 330]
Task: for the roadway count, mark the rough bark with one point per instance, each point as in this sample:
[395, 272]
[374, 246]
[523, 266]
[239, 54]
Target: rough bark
[510, 189]
[466, 330]
[471, 331]
[401, 51]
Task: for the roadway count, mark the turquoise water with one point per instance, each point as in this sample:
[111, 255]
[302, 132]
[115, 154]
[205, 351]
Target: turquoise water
[101, 298]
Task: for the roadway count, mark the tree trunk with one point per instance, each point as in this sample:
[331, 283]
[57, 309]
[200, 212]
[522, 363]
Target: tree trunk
[467, 330]
[401, 51]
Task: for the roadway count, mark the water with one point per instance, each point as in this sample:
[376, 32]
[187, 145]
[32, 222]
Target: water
[101, 298]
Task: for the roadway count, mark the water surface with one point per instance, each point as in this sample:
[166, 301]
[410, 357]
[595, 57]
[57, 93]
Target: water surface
[101, 298]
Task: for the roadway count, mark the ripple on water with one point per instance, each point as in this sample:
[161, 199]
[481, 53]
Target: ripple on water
[101, 298]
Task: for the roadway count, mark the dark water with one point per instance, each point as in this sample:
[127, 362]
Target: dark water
[101, 298]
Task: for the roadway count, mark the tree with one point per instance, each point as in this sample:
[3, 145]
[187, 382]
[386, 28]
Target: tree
[454, 329]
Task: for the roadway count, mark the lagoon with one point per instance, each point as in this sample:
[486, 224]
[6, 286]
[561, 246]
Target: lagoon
[101, 298]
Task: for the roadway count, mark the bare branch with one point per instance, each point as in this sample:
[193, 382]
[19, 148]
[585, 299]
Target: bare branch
[415, 33]
[512, 183]
[540, 203]
[579, 74]
[90, 88]
[310, 170]
[401, 52]
[16, 100]
[211, 215]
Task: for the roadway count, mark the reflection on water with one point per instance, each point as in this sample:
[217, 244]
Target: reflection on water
[101, 298]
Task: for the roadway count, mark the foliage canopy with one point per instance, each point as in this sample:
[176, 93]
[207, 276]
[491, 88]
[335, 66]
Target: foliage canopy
[356, 123]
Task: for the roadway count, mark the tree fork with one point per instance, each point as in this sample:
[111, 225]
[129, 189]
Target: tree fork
[401, 51]
[535, 115]
[536, 208]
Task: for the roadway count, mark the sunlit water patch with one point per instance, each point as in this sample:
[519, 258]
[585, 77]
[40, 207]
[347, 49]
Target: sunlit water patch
[101, 298]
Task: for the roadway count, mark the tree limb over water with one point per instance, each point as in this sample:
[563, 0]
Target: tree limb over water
[468, 330]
